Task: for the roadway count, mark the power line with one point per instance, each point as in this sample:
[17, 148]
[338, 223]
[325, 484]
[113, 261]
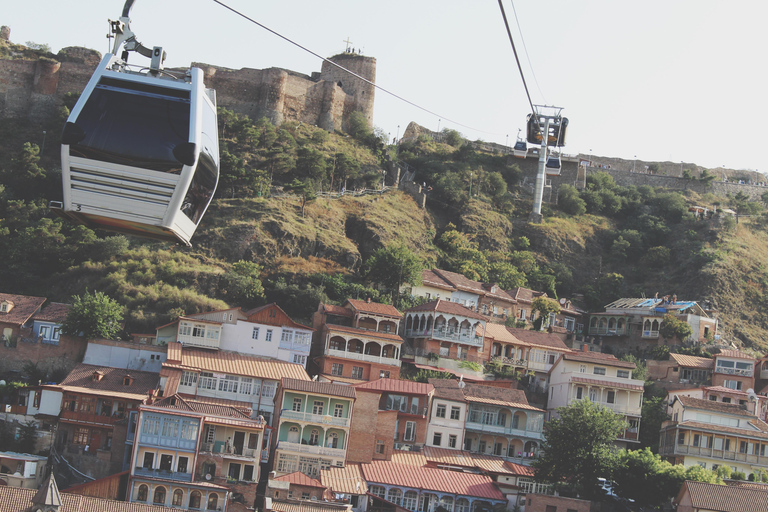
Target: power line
[445, 118]
[528, 57]
[514, 50]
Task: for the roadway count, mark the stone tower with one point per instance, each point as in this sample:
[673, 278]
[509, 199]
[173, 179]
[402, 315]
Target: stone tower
[360, 94]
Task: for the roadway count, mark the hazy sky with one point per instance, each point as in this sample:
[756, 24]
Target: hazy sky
[679, 80]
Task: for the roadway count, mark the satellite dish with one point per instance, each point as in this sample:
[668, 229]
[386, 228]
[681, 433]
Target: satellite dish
[208, 476]
[562, 301]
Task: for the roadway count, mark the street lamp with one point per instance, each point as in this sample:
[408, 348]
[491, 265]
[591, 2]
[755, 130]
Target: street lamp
[471, 174]
[634, 164]
[681, 167]
[438, 125]
[43, 148]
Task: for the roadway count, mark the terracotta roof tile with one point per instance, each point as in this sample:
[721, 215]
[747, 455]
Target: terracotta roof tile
[599, 358]
[692, 361]
[447, 389]
[758, 429]
[499, 332]
[460, 458]
[332, 309]
[299, 478]
[234, 364]
[17, 499]
[711, 405]
[305, 506]
[396, 386]
[335, 379]
[446, 306]
[346, 480]
[435, 280]
[463, 283]
[525, 294]
[608, 384]
[409, 458]
[203, 407]
[539, 338]
[24, 307]
[735, 354]
[322, 388]
[478, 392]
[80, 380]
[54, 312]
[723, 389]
[375, 308]
[431, 479]
[366, 333]
[725, 498]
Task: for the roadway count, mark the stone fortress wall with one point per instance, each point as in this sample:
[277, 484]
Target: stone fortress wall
[34, 89]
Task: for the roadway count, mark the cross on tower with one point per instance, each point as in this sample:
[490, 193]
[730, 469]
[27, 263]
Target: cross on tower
[348, 43]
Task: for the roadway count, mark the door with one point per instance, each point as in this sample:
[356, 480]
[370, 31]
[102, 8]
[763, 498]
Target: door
[238, 442]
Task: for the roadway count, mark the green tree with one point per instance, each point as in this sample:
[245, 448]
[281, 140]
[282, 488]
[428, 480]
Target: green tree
[544, 306]
[577, 447]
[304, 190]
[392, 266]
[654, 413]
[672, 328]
[244, 284]
[95, 315]
[27, 438]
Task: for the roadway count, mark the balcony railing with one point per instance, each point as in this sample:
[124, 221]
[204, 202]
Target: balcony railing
[198, 341]
[447, 335]
[235, 451]
[734, 371]
[297, 346]
[684, 449]
[500, 429]
[319, 419]
[163, 473]
[363, 357]
[90, 419]
[315, 450]
[512, 361]
[629, 434]
[650, 334]
[606, 331]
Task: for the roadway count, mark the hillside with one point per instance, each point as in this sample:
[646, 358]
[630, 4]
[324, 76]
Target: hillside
[254, 246]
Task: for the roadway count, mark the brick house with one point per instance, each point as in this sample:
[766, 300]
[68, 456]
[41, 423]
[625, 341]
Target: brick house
[356, 342]
[297, 486]
[734, 370]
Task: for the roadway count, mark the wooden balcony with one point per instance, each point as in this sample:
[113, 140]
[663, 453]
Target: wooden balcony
[89, 419]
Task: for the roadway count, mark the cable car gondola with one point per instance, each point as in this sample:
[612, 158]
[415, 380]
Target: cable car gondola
[140, 150]
[520, 150]
[553, 165]
[557, 130]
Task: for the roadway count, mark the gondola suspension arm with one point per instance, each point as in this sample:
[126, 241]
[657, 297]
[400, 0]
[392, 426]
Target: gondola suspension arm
[121, 31]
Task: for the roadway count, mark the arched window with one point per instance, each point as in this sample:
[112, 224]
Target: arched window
[159, 496]
[612, 323]
[178, 498]
[447, 503]
[143, 492]
[410, 499]
[462, 505]
[313, 437]
[394, 495]
[333, 440]
[213, 501]
[592, 323]
[194, 499]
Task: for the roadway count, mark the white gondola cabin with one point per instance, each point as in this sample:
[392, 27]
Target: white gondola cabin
[520, 150]
[553, 165]
[140, 151]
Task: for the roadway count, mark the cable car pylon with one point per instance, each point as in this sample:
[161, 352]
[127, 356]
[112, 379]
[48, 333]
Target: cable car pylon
[545, 127]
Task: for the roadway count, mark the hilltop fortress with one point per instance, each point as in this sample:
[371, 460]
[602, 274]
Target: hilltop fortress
[34, 87]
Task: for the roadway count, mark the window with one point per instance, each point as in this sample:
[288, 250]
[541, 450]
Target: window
[149, 459]
[170, 427]
[269, 335]
[597, 370]
[611, 398]
[338, 411]
[394, 495]
[194, 499]
[377, 490]
[622, 374]
[246, 385]
[726, 399]
[305, 495]
[213, 501]
[582, 368]
[380, 447]
[696, 439]
[455, 413]
[181, 467]
[268, 390]
[234, 471]
[296, 404]
[229, 383]
[415, 405]
[299, 359]
[248, 473]
[255, 333]
[501, 419]
[579, 393]
[357, 372]
[286, 336]
[337, 369]
[437, 438]
[143, 492]
[593, 395]
[198, 331]
[207, 381]
[440, 411]
[159, 496]
[45, 331]
[452, 439]
[732, 384]
[286, 463]
[81, 436]
[317, 407]
[178, 498]
[409, 500]
[166, 462]
[383, 374]
[681, 438]
[410, 431]
[313, 437]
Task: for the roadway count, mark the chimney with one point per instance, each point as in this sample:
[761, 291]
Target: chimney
[369, 300]
[585, 348]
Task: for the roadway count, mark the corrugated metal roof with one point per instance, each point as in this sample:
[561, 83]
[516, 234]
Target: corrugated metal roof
[322, 388]
[693, 361]
[725, 498]
[607, 383]
[397, 386]
[236, 364]
[346, 480]
[757, 428]
[409, 458]
[431, 479]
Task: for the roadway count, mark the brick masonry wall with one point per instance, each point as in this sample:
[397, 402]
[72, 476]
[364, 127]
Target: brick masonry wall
[367, 419]
[63, 356]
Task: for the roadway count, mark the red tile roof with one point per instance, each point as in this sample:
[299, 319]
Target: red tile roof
[724, 498]
[431, 479]
[525, 294]
[447, 389]
[448, 307]
[365, 333]
[608, 384]
[232, 363]
[346, 480]
[24, 307]
[460, 282]
[203, 407]
[711, 405]
[396, 386]
[306, 506]
[322, 388]
[375, 308]
[299, 478]
[757, 429]
[17, 499]
[488, 463]
[599, 358]
[539, 338]
[332, 309]
[54, 312]
[499, 332]
[480, 392]
[734, 354]
[80, 380]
